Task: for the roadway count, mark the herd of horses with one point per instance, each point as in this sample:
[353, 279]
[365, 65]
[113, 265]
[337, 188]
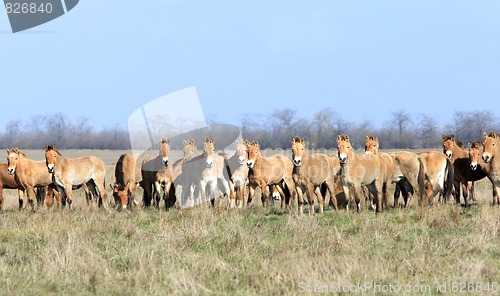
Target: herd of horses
[199, 177]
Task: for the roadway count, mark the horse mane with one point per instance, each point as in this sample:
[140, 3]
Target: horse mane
[119, 172]
[476, 144]
[255, 143]
[343, 137]
[208, 140]
[16, 151]
[460, 144]
[449, 137]
[493, 135]
[189, 142]
[52, 147]
[297, 139]
[163, 141]
[372, 138]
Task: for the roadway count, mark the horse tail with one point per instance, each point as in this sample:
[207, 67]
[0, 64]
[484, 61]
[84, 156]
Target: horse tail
[228, 169]
[421, 179]
[448, 183]
[287, 193]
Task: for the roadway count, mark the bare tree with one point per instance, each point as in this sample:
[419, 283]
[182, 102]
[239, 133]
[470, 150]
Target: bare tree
[469, 126]
[428, 132]
[401, 121]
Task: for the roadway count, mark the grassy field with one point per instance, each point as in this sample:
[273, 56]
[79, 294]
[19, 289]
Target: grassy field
[253, 251]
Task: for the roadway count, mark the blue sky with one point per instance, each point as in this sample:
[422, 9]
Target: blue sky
[361, 59]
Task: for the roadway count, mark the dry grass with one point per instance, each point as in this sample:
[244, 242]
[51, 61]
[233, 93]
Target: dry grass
[254, 251]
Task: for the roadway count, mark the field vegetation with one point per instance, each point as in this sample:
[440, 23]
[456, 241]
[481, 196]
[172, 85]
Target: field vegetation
[252, 251]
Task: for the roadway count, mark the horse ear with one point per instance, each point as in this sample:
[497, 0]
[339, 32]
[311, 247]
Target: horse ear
[469, 145]
[338, 137]
[367, 138]
[485, 134]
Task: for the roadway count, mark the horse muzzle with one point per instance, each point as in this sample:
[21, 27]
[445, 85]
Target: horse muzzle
[473, 166]
[250, 164]
[165, 161]
[50, 168]
[486, 158]
[297, 162]
[210, 163]
[11, 171]
[241, 160]
[449, 154]
[343, 158]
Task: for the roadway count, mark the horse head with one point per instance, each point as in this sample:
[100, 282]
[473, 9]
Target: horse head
[209, 151]
[298, 150]
[165, 150]
[12, 157]
[371, 145]
[344, 148]
[51, 155]
[253, 151]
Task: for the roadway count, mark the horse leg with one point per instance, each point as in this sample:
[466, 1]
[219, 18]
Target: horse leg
[1, 196]
[376, 190]
[300, 198]
[156, 194]
[310, 198]
[265, 194]
[69, 195]
[251, 191]
[330, 186]
[357, 197]
[30, 193]
[472, 191]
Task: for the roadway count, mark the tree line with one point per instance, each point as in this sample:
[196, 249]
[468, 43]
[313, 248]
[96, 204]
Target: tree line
[402, 131]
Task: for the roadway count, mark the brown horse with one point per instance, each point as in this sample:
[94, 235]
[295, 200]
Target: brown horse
[439, 176]
[69, 172]
[266, 171]
[8, 181]
[408, 175]
[310, 172]
[205, 170]
[462, 170]
[125, 186]
[238, 172]
[29, 175]
[157, 173]
[491, 156]
[477, 163]
[360, 170]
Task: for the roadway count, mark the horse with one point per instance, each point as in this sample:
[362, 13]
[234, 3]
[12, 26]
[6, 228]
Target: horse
[389, 167]
[69, 172]
[408, 175]
[360, 170]
[156, 173]
[462, 170]
[126, 177]
[238, 172]
[204, 170]
[310, 172]
[189, 150]
[266, 171]
[8, 181]
[30, 175]
[491, 156]
[477, 163]
[438, 174]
